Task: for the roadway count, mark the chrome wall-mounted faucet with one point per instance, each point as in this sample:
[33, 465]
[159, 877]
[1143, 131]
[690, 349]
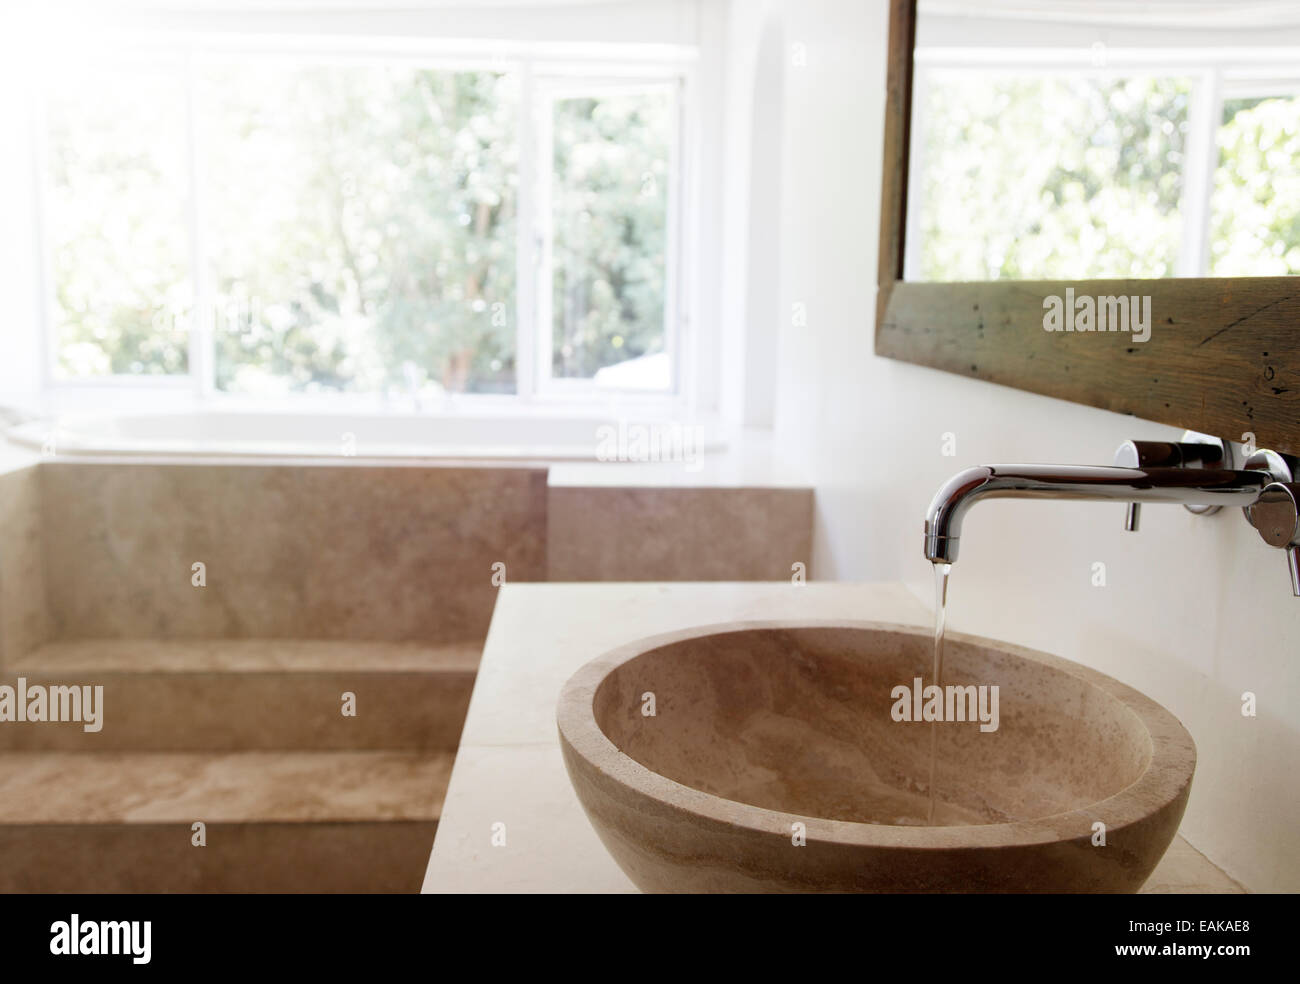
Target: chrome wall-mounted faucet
[1195, 473]
[1276, 513]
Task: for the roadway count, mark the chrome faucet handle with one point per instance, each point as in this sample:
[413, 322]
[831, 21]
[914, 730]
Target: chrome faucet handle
[1276, 515]
[1193, 451]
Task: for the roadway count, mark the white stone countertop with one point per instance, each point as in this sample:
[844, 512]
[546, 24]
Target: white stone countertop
[509, 769]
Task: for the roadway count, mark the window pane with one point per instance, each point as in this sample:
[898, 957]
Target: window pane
[609, 234]
[1050, 177]
[361, 224]
[1255, 210]
[117, 221]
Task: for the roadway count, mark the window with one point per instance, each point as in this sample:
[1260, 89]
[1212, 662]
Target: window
[610, 164]
[359, 226]
[116, 221]
[268, 224]
[1027, 170]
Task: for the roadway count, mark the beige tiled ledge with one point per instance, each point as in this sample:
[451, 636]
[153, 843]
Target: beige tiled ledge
[91, 656]
[243, 787]
[509, 771]
[274, 821]
[228, 695]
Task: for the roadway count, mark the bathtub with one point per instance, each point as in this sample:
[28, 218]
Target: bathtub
[541, 435]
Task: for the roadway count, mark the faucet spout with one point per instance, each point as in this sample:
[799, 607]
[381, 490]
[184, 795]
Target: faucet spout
[1104, 483]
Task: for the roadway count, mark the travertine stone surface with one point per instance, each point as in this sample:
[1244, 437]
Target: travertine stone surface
[320, 579]
[337, 552]
[22, 578]
[350, 857]
[678, 534]
[759, 727]
[275, 821]
[245, 787]
[92, 656]
[247, 694]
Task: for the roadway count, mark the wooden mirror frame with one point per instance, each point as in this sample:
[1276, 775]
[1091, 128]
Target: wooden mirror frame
[1223, 357]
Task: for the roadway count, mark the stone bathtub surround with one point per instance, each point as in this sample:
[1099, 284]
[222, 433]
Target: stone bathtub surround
[319, 578]
[22, 565]
[104, 550]
[223, 702]
[247, 694]
[275, 821]
[332, 552]
[767, 731]
[706, 534]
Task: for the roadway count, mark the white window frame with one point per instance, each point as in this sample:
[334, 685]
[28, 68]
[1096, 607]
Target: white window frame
[542, 69]
[1217, 74]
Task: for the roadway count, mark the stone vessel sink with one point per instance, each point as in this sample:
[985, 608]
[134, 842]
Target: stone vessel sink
[762, 732]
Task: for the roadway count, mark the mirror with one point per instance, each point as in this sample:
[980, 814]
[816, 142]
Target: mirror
[1056, 140]
[1099, 200]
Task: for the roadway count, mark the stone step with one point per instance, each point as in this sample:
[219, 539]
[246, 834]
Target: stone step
[285, 821]
[214, 695]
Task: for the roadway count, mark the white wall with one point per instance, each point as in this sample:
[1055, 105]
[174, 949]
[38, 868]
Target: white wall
[751, 194]
[1196, 610]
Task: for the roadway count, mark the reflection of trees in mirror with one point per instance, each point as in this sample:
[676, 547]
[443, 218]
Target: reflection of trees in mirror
[1255, 215]
[1028, 178]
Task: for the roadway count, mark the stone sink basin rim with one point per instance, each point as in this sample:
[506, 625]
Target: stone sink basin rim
[1137, 785]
